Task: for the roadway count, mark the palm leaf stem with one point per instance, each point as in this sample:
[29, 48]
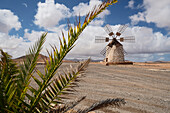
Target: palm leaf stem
[30, 62]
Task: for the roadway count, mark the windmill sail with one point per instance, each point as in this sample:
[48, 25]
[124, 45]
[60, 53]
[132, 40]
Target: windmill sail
[130, 39]
[106, 49]
[108, 30]
[121, 29]
[101, 39]
[114, 51]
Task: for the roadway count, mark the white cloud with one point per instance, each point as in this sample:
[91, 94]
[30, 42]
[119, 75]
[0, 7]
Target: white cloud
[83, 8]
[147, 57]
[140, 57]
[25, 4]
[17, 46]
[137, 17]
[50, 14]
[97, 22]
[85, 45]
[146, 42]
[58, 28]
[8, 43]
[51, 38]
[14, 45]
[155, 12]
[131, 4]
[8, 21]
[104, 13]
[33, 35]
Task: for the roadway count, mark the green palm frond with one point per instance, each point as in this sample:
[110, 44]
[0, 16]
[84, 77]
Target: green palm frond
[27, 69]
[15, 85]
[63, 108]
[104, 103]
[8, 71]
[57, 55]
[61, 85]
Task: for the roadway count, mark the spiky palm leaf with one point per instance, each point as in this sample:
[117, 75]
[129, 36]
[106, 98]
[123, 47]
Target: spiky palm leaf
[57, 55]
[104, 103]
[63, 108]
[61, 85]
[16, 80]
[8, 71]
[27, 69]
[48, 92]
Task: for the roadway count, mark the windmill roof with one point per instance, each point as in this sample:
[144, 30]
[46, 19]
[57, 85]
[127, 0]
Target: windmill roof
[114, 42]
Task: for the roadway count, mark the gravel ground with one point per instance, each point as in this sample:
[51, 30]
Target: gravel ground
[145, 90]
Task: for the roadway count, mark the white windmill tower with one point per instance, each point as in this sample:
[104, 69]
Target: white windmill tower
[114, 52]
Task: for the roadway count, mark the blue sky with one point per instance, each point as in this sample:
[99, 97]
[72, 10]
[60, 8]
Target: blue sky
[23, 21]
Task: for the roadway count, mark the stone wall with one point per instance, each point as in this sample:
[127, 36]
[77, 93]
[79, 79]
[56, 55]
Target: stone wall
[114, 54]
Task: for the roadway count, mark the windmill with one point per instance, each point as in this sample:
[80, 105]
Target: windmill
[114, 51]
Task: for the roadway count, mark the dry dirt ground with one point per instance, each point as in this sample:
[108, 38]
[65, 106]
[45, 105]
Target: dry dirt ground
[145, 87]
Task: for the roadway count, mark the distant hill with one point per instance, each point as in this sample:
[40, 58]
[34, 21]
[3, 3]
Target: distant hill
[157, 62]
[40, 60]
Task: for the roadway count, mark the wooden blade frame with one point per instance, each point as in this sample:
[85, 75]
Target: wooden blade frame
[121, 29]
[103, 52]
[127, 39]
[108, 30]
[100, 39]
